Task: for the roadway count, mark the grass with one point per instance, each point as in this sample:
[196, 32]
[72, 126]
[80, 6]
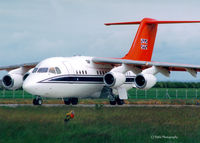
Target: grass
[123, 125]
[165, 93]
[153, 93]
[106, 101]
[188, 96]
[15, 94]
[100, 124]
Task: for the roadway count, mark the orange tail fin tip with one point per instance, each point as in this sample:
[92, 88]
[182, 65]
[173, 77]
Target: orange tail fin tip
[143, 44]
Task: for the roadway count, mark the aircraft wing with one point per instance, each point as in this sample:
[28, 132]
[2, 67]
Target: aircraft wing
[26, 65]
[192, 69]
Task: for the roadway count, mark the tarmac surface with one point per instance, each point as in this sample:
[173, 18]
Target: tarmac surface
[93, 105]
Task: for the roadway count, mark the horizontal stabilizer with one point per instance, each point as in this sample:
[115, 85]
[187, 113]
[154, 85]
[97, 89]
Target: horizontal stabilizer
[150, 21]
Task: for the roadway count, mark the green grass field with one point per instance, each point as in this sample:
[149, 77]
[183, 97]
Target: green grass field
[165, 93]
[92, 125]
[153, 96]
[154, 93]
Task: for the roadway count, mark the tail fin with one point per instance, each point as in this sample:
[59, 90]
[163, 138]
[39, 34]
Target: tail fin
[143, 44]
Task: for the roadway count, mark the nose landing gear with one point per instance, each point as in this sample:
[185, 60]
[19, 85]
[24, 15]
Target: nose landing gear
[37, 100]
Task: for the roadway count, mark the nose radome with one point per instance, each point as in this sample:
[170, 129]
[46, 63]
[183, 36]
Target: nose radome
[29, 87]
[26, 86]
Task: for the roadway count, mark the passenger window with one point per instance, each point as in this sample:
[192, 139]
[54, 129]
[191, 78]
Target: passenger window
[58, 70]
[35, 70]
[82, 72]
[42, 70]
[52, 70]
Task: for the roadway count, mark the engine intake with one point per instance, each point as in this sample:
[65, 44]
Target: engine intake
[25, 76]
[145, 81]
[12, 81]
[114, 79]
[7, 81]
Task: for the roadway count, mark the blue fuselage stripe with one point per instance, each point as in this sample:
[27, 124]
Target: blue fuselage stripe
[81, 79]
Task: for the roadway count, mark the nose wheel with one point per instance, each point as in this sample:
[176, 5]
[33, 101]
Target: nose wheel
[37, 100]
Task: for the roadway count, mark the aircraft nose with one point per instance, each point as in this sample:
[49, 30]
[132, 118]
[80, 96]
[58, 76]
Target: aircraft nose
[29, 87]
[25, 86]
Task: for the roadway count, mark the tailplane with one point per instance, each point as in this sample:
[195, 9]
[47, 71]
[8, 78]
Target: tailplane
[143, 44]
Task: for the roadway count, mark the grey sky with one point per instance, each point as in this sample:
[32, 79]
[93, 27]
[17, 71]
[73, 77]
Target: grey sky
[34, 30]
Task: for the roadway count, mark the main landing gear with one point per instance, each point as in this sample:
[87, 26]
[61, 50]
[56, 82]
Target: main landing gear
[116, 100]
[73, 101]
[37, 100]
[113, 98]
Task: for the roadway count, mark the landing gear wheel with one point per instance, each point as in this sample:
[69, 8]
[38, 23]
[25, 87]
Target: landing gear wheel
[67, 101]
[119, 101]
[112, 102]
[74, 101]
[37, 101]
[34, 102]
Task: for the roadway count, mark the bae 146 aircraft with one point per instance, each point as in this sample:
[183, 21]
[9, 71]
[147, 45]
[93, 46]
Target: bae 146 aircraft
[70, 78]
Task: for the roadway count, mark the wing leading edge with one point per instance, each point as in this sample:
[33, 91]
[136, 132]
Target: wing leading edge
[12, 67]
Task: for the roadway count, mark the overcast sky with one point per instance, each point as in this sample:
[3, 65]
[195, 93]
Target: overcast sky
[34, 30]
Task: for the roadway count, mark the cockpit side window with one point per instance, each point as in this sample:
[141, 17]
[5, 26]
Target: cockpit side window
[52, 70]
[58, 70]
[42, 70]
[35, 70]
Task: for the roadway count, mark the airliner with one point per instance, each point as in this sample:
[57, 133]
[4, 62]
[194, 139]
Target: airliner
[72, 78]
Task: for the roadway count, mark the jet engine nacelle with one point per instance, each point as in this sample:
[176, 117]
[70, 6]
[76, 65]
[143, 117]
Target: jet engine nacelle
[12, 81]
[114, 79]
[145, 81]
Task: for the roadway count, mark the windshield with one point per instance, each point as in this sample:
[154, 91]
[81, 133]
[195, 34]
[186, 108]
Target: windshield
[35, 70]
[53, 70]
[42, 70]
[58, 70]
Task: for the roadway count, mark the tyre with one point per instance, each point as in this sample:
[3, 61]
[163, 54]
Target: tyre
[74, 101]
[34, 102]
[112, 102]
[39, 101]
[67, 102]
[119, 101]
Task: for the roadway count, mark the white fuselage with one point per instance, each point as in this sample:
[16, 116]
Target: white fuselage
[61, 77]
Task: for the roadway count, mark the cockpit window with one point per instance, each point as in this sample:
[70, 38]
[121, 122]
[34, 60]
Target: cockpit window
[35, 70]
[42, 70]
[58, 70]
[52, 70]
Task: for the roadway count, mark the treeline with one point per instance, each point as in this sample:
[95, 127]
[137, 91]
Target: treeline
[177, 85]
